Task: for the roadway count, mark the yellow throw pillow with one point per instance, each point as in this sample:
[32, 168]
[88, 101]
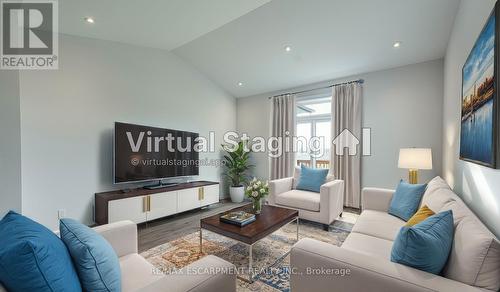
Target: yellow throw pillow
[420, 216]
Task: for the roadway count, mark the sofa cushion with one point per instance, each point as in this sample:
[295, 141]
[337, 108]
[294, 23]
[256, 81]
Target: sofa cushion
[208, 274]
[137, 273]
[437, 194]
[460, 210]
[370, 245]
[378, 224]
[33, 258]
[439, 197]
[296, 175]
[423, 213]
[311, 179]
[406, 199]
[435, 184]
[475, 256]
[299, 199]
[95, 260]
[426, 245]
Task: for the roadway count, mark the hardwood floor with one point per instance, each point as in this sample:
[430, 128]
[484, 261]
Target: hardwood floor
[164, 230]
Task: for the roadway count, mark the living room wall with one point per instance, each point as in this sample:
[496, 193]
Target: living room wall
[477, 185]
[402, 106]
[10, 142]
[67, 118]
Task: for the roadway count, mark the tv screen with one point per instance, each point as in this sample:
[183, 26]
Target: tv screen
[143, 153]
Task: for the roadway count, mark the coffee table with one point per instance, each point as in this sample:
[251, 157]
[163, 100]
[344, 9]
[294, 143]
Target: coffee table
[269, 220]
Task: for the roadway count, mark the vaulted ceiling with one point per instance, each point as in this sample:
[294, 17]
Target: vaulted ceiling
[240, 44]
[162, 24]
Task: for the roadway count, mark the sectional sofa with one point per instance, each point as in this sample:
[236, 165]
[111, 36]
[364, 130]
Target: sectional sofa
[363, 263]
[209, 274]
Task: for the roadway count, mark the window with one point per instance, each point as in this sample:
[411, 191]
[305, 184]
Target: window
[314, 108]
[314, 120]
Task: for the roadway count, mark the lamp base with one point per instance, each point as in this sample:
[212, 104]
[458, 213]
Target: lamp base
[413, 176]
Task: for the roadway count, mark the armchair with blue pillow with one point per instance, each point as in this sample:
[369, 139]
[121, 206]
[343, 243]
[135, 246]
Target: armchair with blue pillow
[104, 258]
[315, 193]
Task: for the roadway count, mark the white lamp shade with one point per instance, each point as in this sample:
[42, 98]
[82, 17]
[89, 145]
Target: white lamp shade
[415, 158]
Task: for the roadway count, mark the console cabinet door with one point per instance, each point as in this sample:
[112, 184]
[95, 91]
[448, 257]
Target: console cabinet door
[188, 199]
[144, 208]
[210, 195]
[162, 204]
[127, 209]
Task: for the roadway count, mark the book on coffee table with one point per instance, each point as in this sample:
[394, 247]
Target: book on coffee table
[240, 218]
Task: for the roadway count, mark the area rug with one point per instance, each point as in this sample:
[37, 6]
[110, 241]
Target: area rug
[270, 255]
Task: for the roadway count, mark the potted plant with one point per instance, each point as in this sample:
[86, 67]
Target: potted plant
[256, 191]
[237, 165]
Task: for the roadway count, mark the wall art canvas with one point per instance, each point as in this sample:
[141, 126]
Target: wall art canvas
[479, 122]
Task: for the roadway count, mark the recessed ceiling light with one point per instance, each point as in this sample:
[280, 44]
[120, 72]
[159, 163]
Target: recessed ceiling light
[240, 83]
[288, 48]
[89, 19]
[397, 44]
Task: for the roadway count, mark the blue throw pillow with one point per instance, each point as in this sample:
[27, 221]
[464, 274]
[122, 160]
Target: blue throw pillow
[311, 179]
[406, 199]
[426, 245]
[33, 258]
[95, 260]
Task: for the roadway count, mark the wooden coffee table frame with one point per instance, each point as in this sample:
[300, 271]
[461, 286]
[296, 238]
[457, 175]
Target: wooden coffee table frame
[271, 219]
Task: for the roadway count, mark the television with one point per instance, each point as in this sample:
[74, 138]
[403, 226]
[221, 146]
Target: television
[143, 153]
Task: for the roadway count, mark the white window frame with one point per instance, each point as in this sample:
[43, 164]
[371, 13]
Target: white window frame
[312, 99]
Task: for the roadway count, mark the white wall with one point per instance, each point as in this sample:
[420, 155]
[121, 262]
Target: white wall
[402, 106]
[10, 142]
[478, 186]
[67, 118]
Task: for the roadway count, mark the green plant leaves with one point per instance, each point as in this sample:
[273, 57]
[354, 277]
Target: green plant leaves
[237, 164]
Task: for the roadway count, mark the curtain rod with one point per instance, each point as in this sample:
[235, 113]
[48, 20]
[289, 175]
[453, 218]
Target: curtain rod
[329, 86]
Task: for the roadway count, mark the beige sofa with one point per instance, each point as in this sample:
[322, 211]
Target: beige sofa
[363, 263]
[322, 208]
[209, 274]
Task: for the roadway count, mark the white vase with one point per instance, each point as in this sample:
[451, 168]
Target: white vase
[237, 194]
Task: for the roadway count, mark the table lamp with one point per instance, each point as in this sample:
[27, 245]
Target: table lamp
[414, 159]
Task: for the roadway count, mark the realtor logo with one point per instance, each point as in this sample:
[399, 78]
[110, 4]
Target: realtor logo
[29, 34]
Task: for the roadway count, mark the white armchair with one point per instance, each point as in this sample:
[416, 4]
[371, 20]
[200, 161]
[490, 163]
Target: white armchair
[207, 274]
[322, 208]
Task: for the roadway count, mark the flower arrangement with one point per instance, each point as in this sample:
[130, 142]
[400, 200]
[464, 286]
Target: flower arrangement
[256, 191]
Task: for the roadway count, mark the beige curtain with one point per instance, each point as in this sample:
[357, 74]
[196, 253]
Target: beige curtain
[346, 115]
[282, 126]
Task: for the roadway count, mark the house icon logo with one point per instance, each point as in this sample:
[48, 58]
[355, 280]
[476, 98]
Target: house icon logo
[347, 140]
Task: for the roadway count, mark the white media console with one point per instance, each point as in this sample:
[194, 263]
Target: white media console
[142, 205]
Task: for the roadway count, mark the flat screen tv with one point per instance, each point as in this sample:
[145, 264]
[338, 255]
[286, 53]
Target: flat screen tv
[479, 105]
[143, 153]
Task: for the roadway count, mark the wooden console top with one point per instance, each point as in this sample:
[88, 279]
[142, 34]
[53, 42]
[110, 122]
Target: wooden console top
[120, 194]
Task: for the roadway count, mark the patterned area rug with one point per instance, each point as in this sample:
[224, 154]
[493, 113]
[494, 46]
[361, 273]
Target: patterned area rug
[271, 254]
